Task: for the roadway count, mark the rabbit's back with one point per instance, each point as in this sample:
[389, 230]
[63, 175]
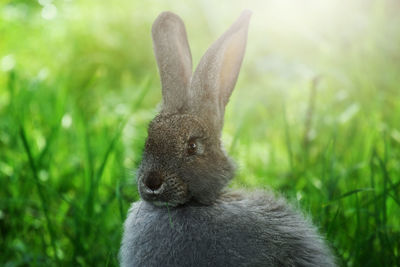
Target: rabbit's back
[238, 230]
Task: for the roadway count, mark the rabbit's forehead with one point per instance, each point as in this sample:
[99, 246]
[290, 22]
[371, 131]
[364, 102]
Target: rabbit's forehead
[177, 128]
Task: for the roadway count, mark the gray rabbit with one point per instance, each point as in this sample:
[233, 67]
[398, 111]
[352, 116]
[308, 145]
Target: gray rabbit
[186, 217]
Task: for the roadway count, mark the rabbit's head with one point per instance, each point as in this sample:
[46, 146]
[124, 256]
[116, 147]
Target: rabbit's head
[183, 158]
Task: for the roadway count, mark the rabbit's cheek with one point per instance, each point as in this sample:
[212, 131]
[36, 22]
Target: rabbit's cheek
[175, 191]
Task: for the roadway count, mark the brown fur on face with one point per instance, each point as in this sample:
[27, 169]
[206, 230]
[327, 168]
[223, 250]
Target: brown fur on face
[192, 115]
[199, 177]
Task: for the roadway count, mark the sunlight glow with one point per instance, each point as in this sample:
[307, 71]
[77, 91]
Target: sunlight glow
[7, 63]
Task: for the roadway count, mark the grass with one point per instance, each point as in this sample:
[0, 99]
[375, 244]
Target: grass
[318, 121]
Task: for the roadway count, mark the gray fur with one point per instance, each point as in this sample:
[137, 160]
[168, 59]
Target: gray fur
[253, 229]
[189, 220]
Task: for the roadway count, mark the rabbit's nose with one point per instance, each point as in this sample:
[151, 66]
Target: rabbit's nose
[153, 180]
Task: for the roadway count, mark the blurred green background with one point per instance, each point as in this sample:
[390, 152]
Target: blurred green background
[315, 116]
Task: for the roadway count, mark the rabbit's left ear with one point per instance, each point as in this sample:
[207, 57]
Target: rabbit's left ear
[217, 73]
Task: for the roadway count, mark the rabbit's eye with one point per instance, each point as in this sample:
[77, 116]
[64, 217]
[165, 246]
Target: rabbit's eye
[192, 147]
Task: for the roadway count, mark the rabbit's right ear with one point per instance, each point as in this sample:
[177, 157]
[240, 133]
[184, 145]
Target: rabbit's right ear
[174, 61]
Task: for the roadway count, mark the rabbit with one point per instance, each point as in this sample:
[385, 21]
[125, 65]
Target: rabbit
[186, 216]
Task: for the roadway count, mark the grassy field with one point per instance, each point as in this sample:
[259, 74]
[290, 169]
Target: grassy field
[315, 116]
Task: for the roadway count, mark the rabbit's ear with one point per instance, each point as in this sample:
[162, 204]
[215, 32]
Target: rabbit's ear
[174, 61]
[217, 72]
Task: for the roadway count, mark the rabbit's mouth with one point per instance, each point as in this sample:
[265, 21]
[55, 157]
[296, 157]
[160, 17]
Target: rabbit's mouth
[172, 192]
